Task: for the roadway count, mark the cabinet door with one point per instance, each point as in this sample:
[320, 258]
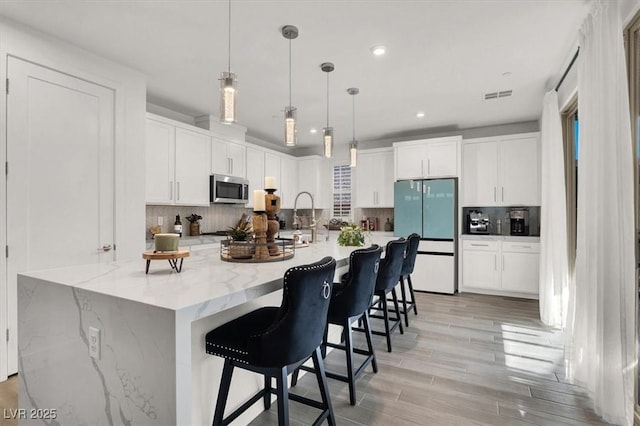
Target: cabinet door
[366, 180]
[236, 154]
[288, 182]
[434, 273]
[192, 167]
[308, 176]
[520, 272]
[272, 167]
[386, 179]
[409, 161]
[480, 174]
[159, 156]
[520, 172]
[220, 161]
[255, 171]
[480, 269]
[442, 159]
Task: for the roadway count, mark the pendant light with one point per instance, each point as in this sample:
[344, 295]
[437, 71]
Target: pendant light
[353, 146]
[228, 88]
[290, 136]
[327, 132]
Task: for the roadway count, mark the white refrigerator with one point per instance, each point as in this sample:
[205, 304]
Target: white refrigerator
[429, 208]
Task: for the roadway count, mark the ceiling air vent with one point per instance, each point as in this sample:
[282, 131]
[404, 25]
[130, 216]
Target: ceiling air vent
[496, 95]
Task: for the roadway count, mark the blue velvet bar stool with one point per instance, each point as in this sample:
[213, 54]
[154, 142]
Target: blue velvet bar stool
[388, 277]
[274, 341]
[350, 302]
[413, 241]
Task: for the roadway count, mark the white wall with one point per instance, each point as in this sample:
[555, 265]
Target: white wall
[130, 89]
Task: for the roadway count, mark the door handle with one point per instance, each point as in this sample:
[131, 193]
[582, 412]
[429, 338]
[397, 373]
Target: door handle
[503, 193]
[178, 191]
[429, 166]
[170, 190]
[231, 161]
[229, 165]
[479, 245]
[494, 194]
[495, 262]
[106, 247]
[421, 167]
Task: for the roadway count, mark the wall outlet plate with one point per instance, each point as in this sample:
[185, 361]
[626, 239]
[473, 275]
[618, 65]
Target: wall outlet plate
[160, 220]
[94, 342]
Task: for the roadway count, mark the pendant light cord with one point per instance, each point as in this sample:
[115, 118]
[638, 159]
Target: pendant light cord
[289, 73]
[354, 115]
[229, 36]
[327, 99]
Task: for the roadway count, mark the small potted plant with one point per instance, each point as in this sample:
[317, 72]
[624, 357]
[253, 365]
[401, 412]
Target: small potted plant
[240, 246]
[351, 235]
[194, 225]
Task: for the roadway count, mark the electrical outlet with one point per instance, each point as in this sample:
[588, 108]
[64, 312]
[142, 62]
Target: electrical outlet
[94, 342]
[160, 220]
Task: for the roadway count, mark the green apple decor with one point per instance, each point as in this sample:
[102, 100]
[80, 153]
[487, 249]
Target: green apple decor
[351, 235]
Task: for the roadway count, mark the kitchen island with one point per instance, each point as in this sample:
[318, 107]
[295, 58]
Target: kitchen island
[109, 344]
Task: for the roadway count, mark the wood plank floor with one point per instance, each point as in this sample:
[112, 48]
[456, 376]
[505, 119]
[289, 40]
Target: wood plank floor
[465, 360]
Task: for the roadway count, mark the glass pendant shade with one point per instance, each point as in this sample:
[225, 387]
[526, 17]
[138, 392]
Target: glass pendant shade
[290, 134]
[228, 97]
[353, 153]
[327, 139]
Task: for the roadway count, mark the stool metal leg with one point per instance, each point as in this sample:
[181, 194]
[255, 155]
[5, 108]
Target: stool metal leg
[404, 302]
[367, 332]
[387, 329]
[223, 392]
[267, 395]
[318, 365]
[413, 296]
[283, 398]
[395, 304]
[349, 354]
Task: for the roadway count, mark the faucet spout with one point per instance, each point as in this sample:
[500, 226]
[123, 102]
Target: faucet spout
[312, 225]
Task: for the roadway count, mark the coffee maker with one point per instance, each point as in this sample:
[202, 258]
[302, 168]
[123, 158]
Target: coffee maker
[519, 221]
[477, 222]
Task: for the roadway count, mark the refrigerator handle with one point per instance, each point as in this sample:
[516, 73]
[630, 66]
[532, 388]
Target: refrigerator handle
[494, 194]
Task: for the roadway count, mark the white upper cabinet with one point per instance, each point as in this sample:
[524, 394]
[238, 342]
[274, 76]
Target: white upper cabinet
[177, 163]
[502, 171]
[427, 158]
[289, 182]
[227, 158]
[255, 171]
[160, 162]
[374, 178]
[313, 178]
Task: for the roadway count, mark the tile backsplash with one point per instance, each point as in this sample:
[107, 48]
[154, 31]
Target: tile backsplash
[215, 217]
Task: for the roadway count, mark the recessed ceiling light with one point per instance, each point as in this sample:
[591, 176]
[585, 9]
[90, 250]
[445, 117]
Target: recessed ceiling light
[378, 50]
[420, 114]
[313, 130]
[506, 74]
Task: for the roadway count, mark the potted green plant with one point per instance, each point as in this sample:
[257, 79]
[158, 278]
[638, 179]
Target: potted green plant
[194, 225]
[240, 246]
[351, 235]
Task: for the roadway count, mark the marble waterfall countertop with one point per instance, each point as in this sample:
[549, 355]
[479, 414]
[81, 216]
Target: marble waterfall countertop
[204, 277]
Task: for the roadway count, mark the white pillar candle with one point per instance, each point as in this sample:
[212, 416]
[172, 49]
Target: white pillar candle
[270, 182]
[259, 204]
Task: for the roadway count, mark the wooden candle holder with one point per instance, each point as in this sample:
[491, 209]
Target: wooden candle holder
[259, 223]
[272, 203]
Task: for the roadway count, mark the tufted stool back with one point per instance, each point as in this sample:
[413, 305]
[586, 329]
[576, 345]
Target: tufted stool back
[391, 265]
[413, 241]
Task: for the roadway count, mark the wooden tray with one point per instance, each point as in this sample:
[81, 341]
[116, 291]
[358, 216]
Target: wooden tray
[171, 256]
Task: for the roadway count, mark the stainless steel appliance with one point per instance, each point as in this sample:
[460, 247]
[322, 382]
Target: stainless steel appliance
[478, 222]
[429, 208]
[519, 221]
[228, 189]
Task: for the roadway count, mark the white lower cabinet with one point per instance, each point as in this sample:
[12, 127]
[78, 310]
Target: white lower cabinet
[501, 266]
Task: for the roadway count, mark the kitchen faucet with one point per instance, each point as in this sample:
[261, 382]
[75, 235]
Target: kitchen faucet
[312, 225]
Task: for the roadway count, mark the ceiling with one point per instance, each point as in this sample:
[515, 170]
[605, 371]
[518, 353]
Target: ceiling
[442, 57]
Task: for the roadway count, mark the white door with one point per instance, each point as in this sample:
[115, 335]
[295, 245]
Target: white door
[60, 185]
[480, 174]
[442, 159]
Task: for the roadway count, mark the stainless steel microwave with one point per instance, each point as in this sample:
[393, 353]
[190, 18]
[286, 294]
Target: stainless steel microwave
[228, 190]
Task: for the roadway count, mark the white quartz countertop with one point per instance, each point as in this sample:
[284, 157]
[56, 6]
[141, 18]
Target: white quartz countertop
[204, 277]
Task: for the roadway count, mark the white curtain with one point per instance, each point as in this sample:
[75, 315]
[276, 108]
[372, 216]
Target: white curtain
[554, 262]
[600, 338]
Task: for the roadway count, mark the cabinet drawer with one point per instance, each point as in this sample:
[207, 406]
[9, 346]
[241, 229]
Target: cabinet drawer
[480, 245]
[521, 247]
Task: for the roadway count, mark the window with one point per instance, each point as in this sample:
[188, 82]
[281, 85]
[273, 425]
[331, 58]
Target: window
[341, 192]
[570, 125]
